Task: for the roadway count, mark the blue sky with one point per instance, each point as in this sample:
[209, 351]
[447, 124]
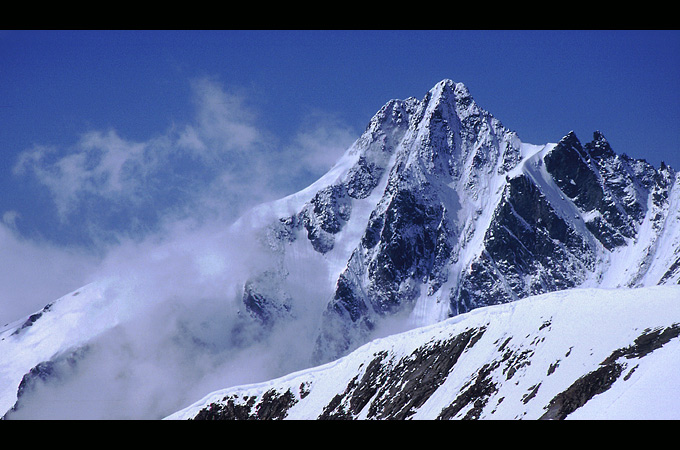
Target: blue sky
[113, 135]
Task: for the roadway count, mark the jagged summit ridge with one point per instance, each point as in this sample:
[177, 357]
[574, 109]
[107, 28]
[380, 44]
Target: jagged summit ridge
[448, 211]
[436, 210]
[444, 166]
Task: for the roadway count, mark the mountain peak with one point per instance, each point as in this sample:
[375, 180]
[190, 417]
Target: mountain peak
[570, 138]
[458, 87]
[599, 147]
[448, 91]
[435, 210]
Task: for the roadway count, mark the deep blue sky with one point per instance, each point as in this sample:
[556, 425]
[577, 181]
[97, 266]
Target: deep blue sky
[58, 86]
[107, 136]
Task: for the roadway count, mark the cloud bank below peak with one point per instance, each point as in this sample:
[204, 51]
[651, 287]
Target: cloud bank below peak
[110, 197]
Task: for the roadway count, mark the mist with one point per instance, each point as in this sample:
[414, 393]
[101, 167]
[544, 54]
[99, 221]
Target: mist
[176, 281]
[32, 274]
[182, 329]
[109, 196]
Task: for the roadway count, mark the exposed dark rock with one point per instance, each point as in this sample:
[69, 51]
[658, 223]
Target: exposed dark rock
[32, 319]
[358, 393]
[582, 390]
[325, 215]
[602, 378]
[48, 372]
[437, 155]
[394, 390]
[475, 393]
[515, 361]
[597, 180]
[568, 165]
[419, 376]
[272, 406]
[672, 270]
[265, 299]
[599, 148]
[529, 249]
[230, 408]
[646, 343]
[372, 234]
[331, 208]
[363, 178]
[405, 245]
[275, 406]
[533, 390]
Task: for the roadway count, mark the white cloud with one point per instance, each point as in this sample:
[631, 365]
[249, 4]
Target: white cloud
[112, 190]
[9, 218]
[190, 274]
[34, 274]
[182, 330]
[106, 183]
[323, 141]
[105, 186]
[224, 123]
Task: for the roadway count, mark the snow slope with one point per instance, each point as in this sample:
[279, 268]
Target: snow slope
[581, 354]
[68, 322]
[430, 213]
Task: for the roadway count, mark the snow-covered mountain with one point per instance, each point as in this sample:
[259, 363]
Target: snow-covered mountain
[437, 210]
[573, 354]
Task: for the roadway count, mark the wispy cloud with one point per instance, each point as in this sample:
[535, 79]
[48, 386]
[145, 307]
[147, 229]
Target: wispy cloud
[105, 182]
[33, 274]
[225, 125]
[321, 142]
[182, 328]
[157, 212]
[171, 194]
[106, 186]
[101, 164]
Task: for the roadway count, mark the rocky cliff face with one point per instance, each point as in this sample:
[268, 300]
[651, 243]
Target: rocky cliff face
[436, 210]
[451, 211]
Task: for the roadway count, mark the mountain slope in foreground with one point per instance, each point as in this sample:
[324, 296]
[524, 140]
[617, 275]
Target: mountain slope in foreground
[437, 209]
[575, 354]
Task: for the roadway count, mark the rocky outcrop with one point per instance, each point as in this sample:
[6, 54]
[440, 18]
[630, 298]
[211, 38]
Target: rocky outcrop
[525, 360]
[458, 221]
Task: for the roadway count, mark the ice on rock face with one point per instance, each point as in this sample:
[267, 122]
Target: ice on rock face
[448, 211]
[463, 221]
[436, 210]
